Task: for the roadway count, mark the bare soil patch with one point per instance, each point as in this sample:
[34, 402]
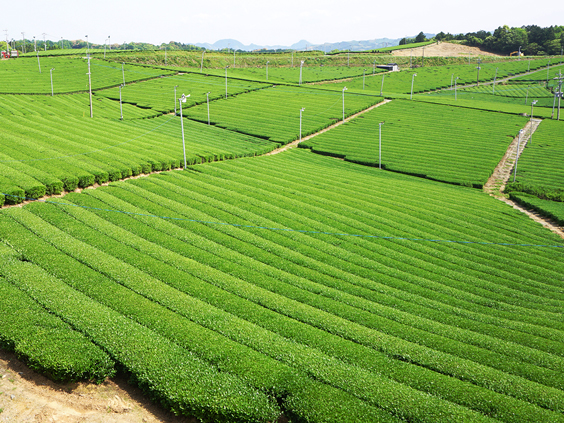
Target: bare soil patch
[26, 396]
[444, 49]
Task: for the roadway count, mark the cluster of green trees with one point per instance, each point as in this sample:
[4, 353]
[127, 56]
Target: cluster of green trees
[420, 38]
[531, 39]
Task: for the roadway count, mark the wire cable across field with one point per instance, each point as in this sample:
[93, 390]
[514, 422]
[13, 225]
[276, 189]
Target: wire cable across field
[304, 231]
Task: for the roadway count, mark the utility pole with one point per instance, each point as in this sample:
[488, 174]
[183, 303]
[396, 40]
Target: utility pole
[478, 77]
[44, 42]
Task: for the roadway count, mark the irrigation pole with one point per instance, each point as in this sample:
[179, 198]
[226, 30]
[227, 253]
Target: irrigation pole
[451, 79]
[380, 145]
[208, 101]
[344, 89]
[412, 79]
[374, 67]
[120, 107]
[90, 86]
[51, 72]
[226, 81]
[175, 100]
[382, 86]
[478, 68]
[527, 95]
[180, 101]
[457, 78]
[301, 110]
[301, 66]
[531, 126]
[495, 77]
[517, 155]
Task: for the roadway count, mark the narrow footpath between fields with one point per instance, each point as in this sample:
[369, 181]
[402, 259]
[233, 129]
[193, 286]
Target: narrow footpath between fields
[496, 183]
[295, 143]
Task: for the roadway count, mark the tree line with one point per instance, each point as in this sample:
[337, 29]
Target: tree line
[532, 40]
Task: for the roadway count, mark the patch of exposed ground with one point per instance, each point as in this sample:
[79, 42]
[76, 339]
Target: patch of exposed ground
[26, 396]
[443, 49]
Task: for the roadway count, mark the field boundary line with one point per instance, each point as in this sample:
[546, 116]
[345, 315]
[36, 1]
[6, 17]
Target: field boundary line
[296, 142]
[501, 174]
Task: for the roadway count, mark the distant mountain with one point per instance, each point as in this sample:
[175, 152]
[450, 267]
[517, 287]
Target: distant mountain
[305, 45]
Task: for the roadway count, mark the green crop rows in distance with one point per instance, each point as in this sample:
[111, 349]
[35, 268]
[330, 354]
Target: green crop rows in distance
[158, 94]
[22, 76]
[77, 105]
[274, 113]
[444, 143]
[438, 77]
[292, 74]
[318, 326]
[46, 154]
[516, 90]
[539, 169]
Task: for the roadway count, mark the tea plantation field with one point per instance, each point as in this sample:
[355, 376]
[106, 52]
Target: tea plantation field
[216, 316]
[46, 154]
[274, 113]
[22, 76]
[448, 144]
[295, 287]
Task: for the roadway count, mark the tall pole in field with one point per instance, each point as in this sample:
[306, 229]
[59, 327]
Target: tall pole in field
[531, 132]
[267, 62]
[120, 107]
[382, 86]
[208, 101]
[90, 86]
[495, 77]
[123, 76]
[202, 63]
[457, 78]
[451, 79]
[301, 110]
[344, 89]
[348, 58]
[527, 96]
[51, 72]
[412, 79]
[36, 52]
[547, 71]
[176, 86]
[517, 155]
[180, 101]
[380, 145]
[374, 67]
[44, 42]
[478, 77]
[109, 44]
[87, 45]
[301, 66]
[23, 42]
[105, 47]
[226, 82]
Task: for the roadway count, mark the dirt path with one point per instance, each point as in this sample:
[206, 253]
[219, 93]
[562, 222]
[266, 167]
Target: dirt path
[502, 174]
[26, 396]
[295, 143]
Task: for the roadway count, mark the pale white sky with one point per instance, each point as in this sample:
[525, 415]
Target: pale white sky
[263, 22]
